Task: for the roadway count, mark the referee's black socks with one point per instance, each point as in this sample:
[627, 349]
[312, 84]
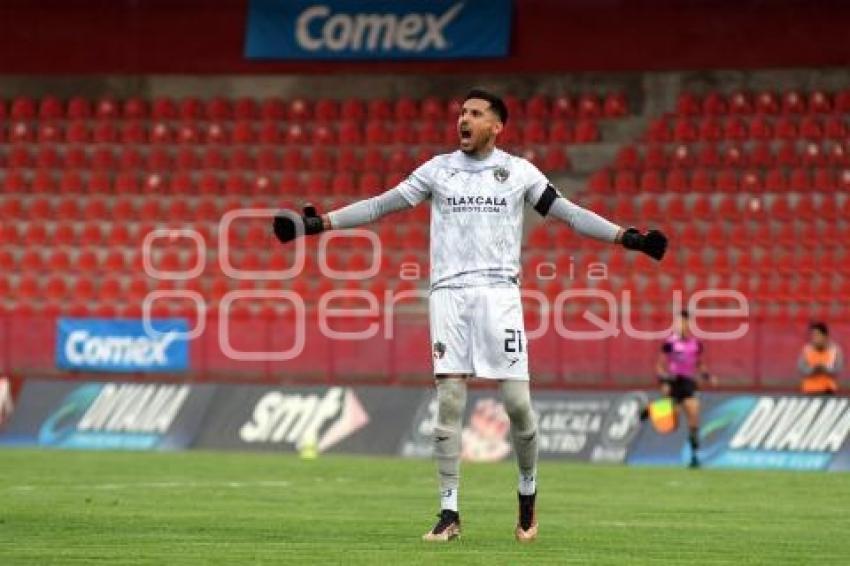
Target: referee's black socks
[693, 438]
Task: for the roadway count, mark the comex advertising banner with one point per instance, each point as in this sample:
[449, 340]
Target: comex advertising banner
[758, 431]
[126, 416]
[102, 344]
[377, 29]
[368, 420]
[598, 427]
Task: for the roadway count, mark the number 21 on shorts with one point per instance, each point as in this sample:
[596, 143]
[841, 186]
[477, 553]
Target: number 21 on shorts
[513, 341]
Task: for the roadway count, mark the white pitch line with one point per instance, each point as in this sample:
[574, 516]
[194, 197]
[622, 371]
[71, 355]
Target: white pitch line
[153, 485]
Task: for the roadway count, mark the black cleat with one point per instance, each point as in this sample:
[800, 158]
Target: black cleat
[526, 528]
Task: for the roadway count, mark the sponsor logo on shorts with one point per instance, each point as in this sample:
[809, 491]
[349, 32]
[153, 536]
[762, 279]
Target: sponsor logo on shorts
[439, 350]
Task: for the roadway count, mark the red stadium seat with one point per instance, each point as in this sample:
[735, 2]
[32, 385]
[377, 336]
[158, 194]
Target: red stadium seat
[819, 102]
[714, 104]
[615, 105]
[734, 128]
[751, 181]
[343, 184]
[702, 180]
[799, 179]
[837, 155]
[49, 133]
[349, 133]
[323, 135]
[739, 103]
[761, 155]
[133, 132]
[76, 158]
[135, 108]
[727, 180]
[78, 132]
[767, 103]
[811, 128]
[347, 160]
[352, 109]
[813, 156]
[775, 180]
[399, 161]
[379, 110]
[296, 134]
[625, 182]
[761, 128]
[21, 132]
[269, 133]
[787, 155]
[824, 180]
[163, 108]
[677, 181]
[684, 130]
[586, 132]
[23, 108]
[734, 157]
[44, 182]
[561, 132]
[272, 109]
[627, 158]
[556, 159]
[79, 108]
[218, 108]
[793, 103]
[688, 104]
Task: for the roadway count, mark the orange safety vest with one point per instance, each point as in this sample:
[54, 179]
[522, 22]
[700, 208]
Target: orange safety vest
[819, 382]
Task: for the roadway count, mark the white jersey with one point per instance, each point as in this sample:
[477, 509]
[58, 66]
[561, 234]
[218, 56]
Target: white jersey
[476, 215]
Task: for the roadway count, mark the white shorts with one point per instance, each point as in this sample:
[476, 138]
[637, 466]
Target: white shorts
[479, 331]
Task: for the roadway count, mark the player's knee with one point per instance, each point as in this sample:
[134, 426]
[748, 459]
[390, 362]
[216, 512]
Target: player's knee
[451, 399]
[517, 402]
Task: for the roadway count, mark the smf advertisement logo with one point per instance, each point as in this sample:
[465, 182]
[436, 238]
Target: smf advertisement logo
[110, 416]
[377, 29]
[297, 419]
[122, 345]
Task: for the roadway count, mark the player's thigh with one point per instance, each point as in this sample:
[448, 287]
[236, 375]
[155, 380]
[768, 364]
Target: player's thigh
[500, 346]
[451, 346]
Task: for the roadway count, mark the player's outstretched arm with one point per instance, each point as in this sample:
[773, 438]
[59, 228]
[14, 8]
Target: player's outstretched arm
[588, 223]
[289, 225]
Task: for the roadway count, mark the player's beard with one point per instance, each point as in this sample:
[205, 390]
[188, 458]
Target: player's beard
[477, 145]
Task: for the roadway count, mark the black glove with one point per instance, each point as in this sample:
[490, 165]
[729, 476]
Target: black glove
[285, 229]
[653, 243]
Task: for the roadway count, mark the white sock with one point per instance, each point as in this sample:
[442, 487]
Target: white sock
[527, 485]
[448, 499]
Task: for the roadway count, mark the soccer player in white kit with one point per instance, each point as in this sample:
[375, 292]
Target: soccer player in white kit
[477, 194]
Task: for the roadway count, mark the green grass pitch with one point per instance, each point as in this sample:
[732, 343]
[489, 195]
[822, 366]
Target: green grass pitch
[60, 507]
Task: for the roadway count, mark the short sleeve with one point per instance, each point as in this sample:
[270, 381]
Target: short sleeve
[417, 187]
[539, 192]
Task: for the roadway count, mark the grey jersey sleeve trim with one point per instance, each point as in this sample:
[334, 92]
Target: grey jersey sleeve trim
[368, 210]
[583, 221]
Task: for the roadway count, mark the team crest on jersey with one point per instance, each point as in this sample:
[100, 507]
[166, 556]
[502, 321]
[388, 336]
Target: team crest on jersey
[439, 350]
[501, 174]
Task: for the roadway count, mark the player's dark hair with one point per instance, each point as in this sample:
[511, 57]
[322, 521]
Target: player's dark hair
[496, 102]
[819, 326]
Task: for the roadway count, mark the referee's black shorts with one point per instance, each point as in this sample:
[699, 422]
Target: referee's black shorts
[681, 387]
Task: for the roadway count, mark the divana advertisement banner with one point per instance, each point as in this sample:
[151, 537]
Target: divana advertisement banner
[378, 29]
[757, 431]
[107, 416]
[111, 345]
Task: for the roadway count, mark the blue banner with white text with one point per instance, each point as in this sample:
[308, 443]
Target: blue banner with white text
[756, 431]
[378, 29]
[102, 344]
